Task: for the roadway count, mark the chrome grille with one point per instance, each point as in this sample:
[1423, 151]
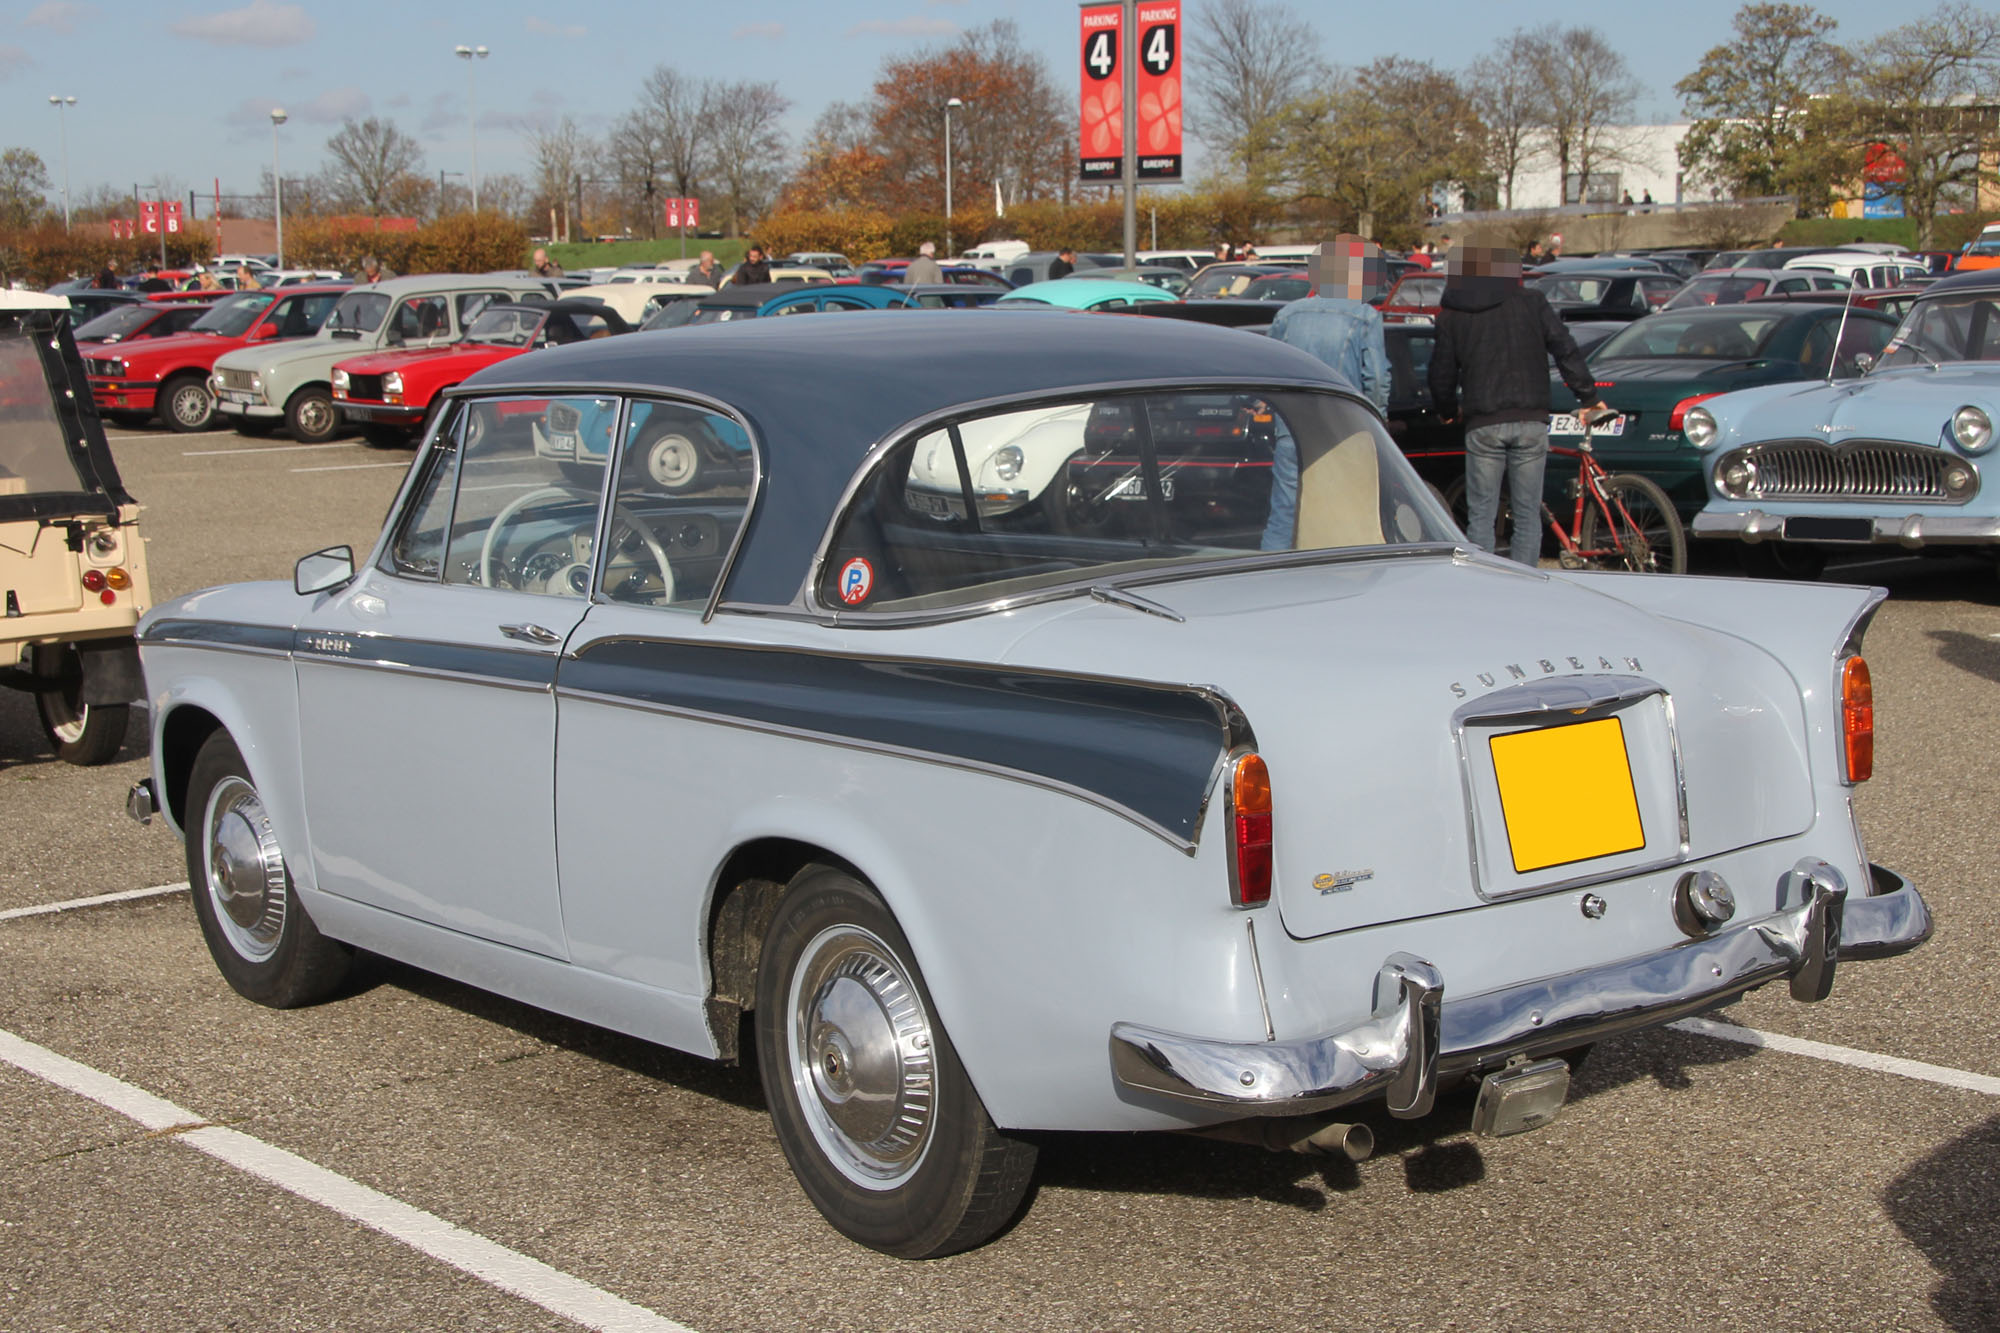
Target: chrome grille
[1854, 470]
[233, 378]
[563, 418]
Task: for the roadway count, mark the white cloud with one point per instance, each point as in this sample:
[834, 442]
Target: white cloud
[760, 31]
[259, 23]
[13, 60]
[57, 15]
[914, 26]
[335, 105]
[544, 28]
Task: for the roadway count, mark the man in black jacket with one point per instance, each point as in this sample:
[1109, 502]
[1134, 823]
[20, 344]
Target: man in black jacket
[1494, 338]
[754, 268]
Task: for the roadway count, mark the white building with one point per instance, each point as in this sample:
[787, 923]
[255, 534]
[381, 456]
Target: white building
[1641, 159]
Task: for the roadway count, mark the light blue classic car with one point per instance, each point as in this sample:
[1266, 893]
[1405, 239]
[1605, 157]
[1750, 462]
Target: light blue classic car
[1083, 813]
[1897, 457]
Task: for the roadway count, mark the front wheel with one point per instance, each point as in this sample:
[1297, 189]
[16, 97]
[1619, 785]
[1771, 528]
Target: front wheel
[186, 405]
[311, 416]
[1646, 535]
[881, 1126]
[80, 733]
[262, 941]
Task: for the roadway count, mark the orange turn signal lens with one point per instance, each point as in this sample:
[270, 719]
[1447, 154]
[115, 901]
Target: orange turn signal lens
[1250, 831]
[1857, 718]
[117, 578]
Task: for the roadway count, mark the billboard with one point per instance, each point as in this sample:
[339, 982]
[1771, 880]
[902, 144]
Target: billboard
[1101, 124]
[1159, 146]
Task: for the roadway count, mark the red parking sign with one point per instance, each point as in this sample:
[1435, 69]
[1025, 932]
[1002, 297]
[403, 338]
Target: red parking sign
[1101, 125]
[149, 216]
[1159, 145]
[173, 217]
[674, 213]
[692, 211]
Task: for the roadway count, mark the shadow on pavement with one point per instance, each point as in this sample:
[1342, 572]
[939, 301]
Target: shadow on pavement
[1945, 1204]
[1974, 653]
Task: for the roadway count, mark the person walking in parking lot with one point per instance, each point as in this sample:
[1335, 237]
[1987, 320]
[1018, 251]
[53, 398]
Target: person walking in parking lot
[1341, 328]
[545, 267]
[1063, 264]
[924, 268]
[1494, 341]
[708, 273]
[756, 267]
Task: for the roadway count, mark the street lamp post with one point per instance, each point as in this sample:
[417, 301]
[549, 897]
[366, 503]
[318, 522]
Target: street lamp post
[278, 118]
[950, 105]
[471, 55]
[61, 104]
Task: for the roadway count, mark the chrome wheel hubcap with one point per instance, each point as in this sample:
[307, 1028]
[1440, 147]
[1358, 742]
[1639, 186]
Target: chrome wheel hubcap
[673, 461]
[862, 1057]
[191, 405]
[246, 871]
[315, 416]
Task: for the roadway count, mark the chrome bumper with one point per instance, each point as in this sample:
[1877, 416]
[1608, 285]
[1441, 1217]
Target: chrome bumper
[1911, 530]
[1416, 1037]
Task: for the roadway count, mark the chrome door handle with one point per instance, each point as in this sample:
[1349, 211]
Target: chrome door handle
[531, 634]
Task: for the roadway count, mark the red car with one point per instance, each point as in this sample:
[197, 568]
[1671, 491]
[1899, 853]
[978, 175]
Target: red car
[1415, 299]
[136, 322]
[390, 394]
[169, 376]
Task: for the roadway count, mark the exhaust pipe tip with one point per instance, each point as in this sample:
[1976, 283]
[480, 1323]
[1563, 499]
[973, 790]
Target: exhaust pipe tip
[1354, 1142]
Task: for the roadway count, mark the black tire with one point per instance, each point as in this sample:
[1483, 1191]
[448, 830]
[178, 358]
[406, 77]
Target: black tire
[264, 944]
[1654, 542]
[841, 1009]
[1781, 560]
[80, 733]
[184, 404]
[310, 415]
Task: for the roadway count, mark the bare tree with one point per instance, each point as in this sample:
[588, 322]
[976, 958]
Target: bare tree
[841, 128]
[561, 153]
[1927, 91]
[676, 109]
[370, 158]
[1513, 103]
[637, 154]
[1590, 92]
[749, 148]
[1247, 61]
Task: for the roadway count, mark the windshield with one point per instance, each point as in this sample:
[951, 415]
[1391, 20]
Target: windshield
[1079, 491]
[718, 314]
[1425, 291]
[1717, 291]
[1573, 291]
[505, 327]
[34, 459]
[357, 313]
[670, 312]
[233, 317]
[117, 323]
[1693, 336]
[1948, 328]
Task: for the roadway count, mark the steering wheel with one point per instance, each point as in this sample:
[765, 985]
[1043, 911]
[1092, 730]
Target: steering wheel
[619, 512]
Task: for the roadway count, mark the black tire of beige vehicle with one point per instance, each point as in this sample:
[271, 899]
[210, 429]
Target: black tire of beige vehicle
[875, 1113]
[311, 416]
[1781, 560]
[1658, 543]
[80, 733]
[264, 944]
[186, 405]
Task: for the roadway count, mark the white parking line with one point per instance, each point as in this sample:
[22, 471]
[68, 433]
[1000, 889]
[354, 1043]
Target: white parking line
[1841, 1055]
[267, 449]
[511, 1271]
[70, 905]
[352, 467]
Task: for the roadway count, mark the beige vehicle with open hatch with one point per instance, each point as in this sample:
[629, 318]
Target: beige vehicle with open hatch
[72, 563]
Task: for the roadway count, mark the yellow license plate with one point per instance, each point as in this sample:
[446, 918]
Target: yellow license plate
[1566, 794]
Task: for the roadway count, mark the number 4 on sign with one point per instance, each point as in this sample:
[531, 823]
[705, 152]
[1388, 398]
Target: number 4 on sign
[1101, 58]
[1160, 50]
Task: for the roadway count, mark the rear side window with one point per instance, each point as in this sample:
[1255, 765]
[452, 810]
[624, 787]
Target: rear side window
[33, 455]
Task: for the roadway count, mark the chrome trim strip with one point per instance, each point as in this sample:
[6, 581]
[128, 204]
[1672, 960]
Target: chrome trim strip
[1256, 972]
[430, 673]
[1187, 846]
[1480, 1032]
[204, 645]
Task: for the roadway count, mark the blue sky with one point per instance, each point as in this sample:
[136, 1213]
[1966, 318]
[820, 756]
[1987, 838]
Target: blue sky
[185, 87]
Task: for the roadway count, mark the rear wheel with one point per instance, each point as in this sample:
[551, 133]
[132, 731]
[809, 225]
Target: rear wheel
[186, 405]
[262, 941]
[1646, 536]
[873, 1110]
[311, 416]
[79, 733]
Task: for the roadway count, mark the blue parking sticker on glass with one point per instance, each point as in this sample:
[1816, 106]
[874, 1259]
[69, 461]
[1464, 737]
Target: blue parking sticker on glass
[857, 580]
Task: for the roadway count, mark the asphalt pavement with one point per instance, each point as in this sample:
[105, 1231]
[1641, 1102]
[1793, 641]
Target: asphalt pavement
[1691, 1182]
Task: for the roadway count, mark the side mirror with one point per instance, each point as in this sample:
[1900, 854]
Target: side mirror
[1863, 362]
[323, 570]
[260, 333]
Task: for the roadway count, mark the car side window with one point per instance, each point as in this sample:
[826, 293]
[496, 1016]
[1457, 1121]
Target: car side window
[419, 317]
[417, 550]
[470, 304]
[530, 482]
[684, 481]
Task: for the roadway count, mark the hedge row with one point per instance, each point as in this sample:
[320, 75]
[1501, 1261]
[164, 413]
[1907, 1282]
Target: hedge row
[1951, 231]
[459, 243]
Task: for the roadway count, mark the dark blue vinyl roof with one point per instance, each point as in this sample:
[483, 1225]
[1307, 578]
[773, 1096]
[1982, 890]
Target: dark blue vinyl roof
[1976, 279]
[820, 393]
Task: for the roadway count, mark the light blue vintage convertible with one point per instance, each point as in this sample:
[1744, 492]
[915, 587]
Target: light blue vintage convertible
[1897, 457]
[1079, 812]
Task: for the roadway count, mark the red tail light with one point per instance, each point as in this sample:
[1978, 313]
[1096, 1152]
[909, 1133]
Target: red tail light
[93, 580]
[1250, 831]
[1857, 719]
[1607, 384]
[1680, 411]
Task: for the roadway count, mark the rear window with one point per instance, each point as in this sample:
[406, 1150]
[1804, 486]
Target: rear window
[1948, 328]
[115, 324]
[1033, 497]
[1690, 336]
[1718, 291]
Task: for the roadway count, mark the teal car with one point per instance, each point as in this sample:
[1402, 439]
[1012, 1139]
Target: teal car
[1082, 294]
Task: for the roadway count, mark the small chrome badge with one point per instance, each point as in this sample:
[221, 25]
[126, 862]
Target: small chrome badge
[1593, 906]
[1340, 881]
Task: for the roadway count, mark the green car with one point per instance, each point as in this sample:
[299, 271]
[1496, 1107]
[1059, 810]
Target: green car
[1656, 368]
[1082, 294]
